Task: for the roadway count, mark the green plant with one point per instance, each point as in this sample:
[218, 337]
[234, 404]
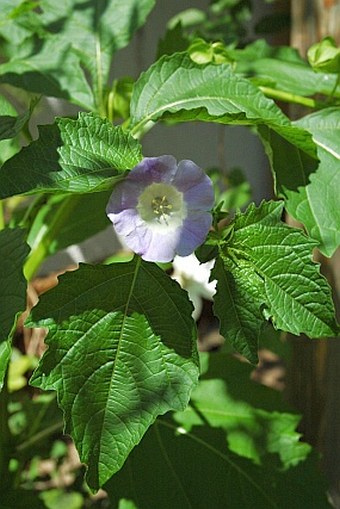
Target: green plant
[122, 342]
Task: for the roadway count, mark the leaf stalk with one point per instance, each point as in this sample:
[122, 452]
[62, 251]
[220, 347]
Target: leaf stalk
[2, 216]
[41, 250]
[5, 436]
[288, 97]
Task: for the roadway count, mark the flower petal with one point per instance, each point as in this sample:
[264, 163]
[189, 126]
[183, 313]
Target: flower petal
[146, 211]
[126, 222]
[154, 169]
[162, 247]
[124, 196]
[195, 184]
[194, 231]
[200, 197]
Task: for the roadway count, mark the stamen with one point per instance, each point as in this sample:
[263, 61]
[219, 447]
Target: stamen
[161, 208]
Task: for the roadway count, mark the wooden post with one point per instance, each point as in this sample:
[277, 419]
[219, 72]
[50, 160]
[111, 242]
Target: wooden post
[314, 379]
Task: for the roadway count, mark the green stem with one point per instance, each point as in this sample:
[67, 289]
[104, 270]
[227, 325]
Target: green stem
[142, 128]
[335, 87]
[99, 81]
[41, 249]
[110, 105]
[2, 216]
[5, 437]
[40, 436]
[32, 211]
[26, 133]
[288, 97]
[199, 414]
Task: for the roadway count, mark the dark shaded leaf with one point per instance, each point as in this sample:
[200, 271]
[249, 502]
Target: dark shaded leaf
[121, 352]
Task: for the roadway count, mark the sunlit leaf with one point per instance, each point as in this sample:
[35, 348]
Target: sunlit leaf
[96, 30]
[121, 352]
[324, 56]
[176, 88]
[75, 156]
[18, 20]
[282, 68]
[256, 426]
[58, 498]
[186, 91]
[265, 271]
[316, 205]
[294, 77]
[53, 71]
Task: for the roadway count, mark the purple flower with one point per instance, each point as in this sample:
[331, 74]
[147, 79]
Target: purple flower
[162, 209]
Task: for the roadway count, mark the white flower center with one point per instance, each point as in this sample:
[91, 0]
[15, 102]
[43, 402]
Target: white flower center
[162, 207]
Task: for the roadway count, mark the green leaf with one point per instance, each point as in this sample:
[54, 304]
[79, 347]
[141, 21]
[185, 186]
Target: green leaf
[78, 227]
[324, 56]
[266, 271]
[30, 420]
[74, 156]
[13, 251]
[188, 18]
[31, 415]
[57, 498]
[18, 368]
[5, 357]
[18, 20]
[249, 413]
[53, 71]
[237, 304]
[316, 204]
[70, 36]
[10, 122]
[282, 68]
[294, 77]
[119, 98]
[121, 351]
[177, 88]
[96, 30]
[10, 126]
[185, 91]
[291, 166]
[126, 504]
[231, 188]
[8, 148]
[37, 60]
[6, 108]
[238, 194]
[203, 52]
[186, 470]
[174, 40]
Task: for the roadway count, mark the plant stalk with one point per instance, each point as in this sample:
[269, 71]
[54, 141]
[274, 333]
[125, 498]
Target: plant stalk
[40, 436]
[5, 437]
[41, 250]
[288, 97]
[2, 216]
[99, 81]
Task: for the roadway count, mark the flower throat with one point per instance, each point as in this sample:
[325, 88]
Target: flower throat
[161, 207]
